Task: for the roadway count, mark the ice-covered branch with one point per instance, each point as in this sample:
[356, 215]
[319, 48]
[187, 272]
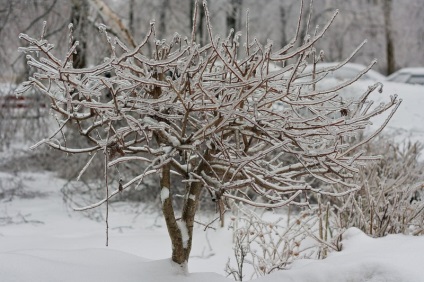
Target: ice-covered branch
[223, 121]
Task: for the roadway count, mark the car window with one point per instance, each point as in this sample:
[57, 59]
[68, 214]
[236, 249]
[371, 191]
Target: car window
[345, 73]
[416, 79]
[402, 77]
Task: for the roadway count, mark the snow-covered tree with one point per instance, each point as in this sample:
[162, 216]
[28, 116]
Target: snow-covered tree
[223, 116]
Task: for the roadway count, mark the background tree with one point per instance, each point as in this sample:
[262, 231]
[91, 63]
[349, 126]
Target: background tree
[79, 19]
[233, 17]
[225, 120]
[390, 49]
[361, 19]
[200, 20]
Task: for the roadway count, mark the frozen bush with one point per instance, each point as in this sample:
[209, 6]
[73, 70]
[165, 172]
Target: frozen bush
[390, 198]
[223, 117]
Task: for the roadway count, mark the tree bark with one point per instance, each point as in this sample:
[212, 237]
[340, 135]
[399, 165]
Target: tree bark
[178, 252]
[115, 20]
[162, 19]
[181, 243]
[200, 21]
[199, 36]
[390, 48]
[233, 18]
[200, 27]
[79, 19]
[190, 207]
[131, 17]
[283, 20]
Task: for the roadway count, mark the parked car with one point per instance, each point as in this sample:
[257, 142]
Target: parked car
[348, 71]
[408, 75]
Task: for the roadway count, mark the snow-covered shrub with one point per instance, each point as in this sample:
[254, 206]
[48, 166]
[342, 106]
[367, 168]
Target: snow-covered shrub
[223, 117]
[266, 244]
[12, 186]
[390, 201]
[390, 198]
[269, 241]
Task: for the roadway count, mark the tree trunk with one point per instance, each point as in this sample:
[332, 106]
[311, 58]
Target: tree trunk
[189, 211]
[114, 21]
[283, 20]
[180, 231]
[390, 48]
[79, 19]
[131, 17]
[162, 19]
[178, 252]
[233, 14]
[200, 27]
[200, 21]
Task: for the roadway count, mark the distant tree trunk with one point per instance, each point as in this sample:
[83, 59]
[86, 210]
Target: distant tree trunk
[390, 48]
[113, 20]
[131, 17]
[200, 27]
[192, 7]
[233, 15]
[162, 19]
[200, 20]
[283, 21]
[79, 18]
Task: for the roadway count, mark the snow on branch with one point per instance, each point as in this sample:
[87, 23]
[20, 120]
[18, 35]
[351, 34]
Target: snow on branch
[227, 118]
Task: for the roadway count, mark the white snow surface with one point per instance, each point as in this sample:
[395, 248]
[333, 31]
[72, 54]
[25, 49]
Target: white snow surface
[164, 194]
[41, 239]
[192, 197]
[393, 258]
[92, 265]
[407, 124]
[182, 225]
[408, 121]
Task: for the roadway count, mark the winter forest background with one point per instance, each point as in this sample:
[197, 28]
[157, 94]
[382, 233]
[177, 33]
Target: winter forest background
[292, 170]
[383, 23]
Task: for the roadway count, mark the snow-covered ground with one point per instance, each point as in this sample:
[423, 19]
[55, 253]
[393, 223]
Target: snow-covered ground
[407, 124]
[408, 121]
[41, 239]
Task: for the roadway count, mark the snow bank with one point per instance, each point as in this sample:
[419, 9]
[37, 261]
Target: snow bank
[91, 265]
[41, 241]
[407, 123]
[395, 258]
